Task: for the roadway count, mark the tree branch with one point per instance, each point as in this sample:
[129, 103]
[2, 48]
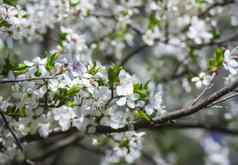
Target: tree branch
[161, 121]
[174, 115]
[26, 79]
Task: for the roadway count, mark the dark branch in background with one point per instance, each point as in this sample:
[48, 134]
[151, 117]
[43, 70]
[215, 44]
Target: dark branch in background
[173, 77]
[50, 39]
[216, 4]
[131, 54]
[91, 149]
[205, 13]
[60, 145]
[224, 42]
[46, 95]
[186, 125]
[17, 140]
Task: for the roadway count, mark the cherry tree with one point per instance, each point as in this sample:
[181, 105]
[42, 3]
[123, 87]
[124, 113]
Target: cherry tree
[119, 78]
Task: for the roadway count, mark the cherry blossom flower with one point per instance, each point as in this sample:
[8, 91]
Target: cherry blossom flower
[230, 63]
[202, 80]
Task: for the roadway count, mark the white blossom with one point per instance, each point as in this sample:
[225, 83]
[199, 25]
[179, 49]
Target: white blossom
[126, 84]
[150, 36]
[230, 63]
[198, 31]
[44, 129]
[64, 116]
[202, 80]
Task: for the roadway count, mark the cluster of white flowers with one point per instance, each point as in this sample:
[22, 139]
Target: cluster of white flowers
[30, 20]
[230, 61]
[79, 94]
[198, 31]
[202, 80]
[127, 148]
[231, 64]
[150, 36]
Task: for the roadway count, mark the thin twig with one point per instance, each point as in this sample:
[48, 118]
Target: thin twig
[24, 80]
[204, 91]
[175, 114]
[17, 141]
[223, 99]
[60, 145]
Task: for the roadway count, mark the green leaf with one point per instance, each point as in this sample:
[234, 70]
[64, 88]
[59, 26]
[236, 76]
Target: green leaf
[217, 62]
[193, 55]
[200, 2]
[8, 65]
[62, 38]
[216, 34]
[71, 103]
[124, 143]
[21, 69]
[37, 73]
[94, 69]
[142, 91]
[73, 91]
[113, 75]
[120, 35]
[4, 23]
[51, 61]
[153, 21]
[142, 115]
[64, 96]
[74, 2]
[16, 112]
[10, 2]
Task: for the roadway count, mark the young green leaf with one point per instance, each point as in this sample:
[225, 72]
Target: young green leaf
[51, 61]
[142, 91]
[113, 75]
[153, 21]
[10, 2]
[16, 112]
[217, 62]
[37, 73]
[72, 91]
[94, 69]
[21, 69]
[62, 38]
[4, 23]
[142, 115]
[74, 2]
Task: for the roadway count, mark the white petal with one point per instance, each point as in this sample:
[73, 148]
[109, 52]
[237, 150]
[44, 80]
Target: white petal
[125, 89]
[149, 110]
[195, 79]
[44, 130]
[202, 75]
[121, 101]
[64, 124]
[198, 84]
